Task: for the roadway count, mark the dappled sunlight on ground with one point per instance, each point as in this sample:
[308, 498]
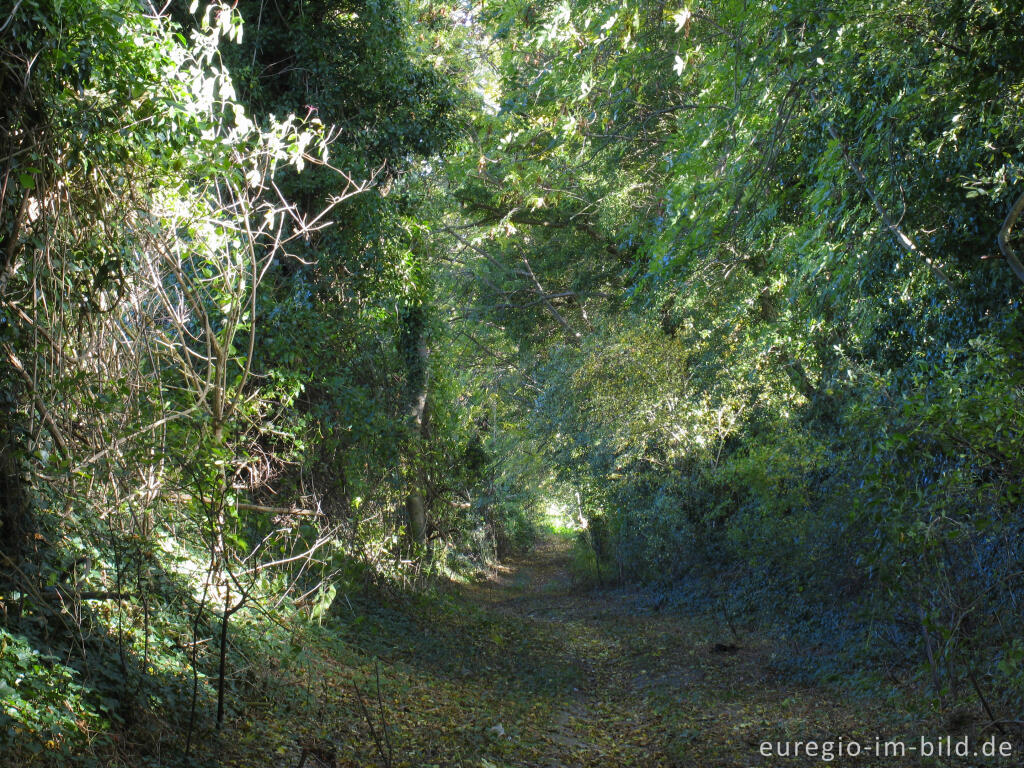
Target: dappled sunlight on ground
[526, 668]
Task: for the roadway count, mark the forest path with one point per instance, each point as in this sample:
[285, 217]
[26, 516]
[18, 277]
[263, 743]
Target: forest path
[636, 687]
[528, 669]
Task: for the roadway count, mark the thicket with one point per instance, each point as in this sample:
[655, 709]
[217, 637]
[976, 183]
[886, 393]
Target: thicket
[215, 311]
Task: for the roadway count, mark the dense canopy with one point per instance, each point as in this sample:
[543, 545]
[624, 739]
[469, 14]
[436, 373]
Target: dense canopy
[317, 315]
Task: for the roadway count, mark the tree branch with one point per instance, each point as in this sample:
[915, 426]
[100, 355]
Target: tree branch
[51, 425]
[1004, 235]
[573, 336]
[901, 237]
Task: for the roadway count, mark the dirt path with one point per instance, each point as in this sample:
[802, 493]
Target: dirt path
[527, 670]
[654, 689]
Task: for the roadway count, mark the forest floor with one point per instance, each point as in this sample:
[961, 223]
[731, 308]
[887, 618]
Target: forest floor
[527, 669]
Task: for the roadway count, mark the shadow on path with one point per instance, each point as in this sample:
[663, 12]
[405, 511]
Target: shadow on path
[655, 689]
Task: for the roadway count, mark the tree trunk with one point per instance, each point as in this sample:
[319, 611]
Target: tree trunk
[15, 518]
[416, 511]
[413, 344]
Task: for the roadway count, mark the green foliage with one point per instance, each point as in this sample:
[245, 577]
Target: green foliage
[716, 282]
[44, 709]
[791, 359]
[204, 377]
